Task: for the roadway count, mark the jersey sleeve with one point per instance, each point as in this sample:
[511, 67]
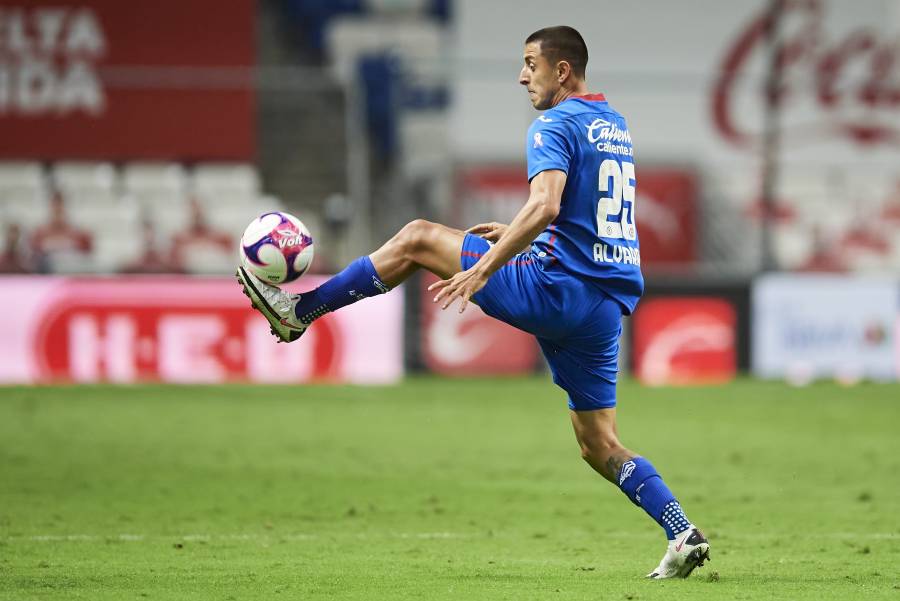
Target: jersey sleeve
[548, 147]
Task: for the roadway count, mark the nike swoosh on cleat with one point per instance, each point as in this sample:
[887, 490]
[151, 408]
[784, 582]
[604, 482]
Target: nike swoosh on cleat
[680, 545]
[286, 324]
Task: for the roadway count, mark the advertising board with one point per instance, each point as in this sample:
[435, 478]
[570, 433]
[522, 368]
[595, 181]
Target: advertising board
[179, 329]
[101, 79]
[685, 340]
[471, 343]
[811, 326]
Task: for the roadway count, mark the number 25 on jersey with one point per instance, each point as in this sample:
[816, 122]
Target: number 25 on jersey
[615, 209]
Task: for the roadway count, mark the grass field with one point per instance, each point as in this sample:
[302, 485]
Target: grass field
[439, 489]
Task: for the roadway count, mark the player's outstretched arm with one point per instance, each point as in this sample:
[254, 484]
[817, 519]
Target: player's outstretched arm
[540, 210]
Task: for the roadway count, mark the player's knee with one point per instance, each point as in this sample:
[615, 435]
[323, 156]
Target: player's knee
[415, 236]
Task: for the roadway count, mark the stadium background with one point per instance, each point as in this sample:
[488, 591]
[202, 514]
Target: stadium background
[137, 139]
[767, 145]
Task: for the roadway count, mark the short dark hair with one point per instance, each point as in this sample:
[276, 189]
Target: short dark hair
[562, 43]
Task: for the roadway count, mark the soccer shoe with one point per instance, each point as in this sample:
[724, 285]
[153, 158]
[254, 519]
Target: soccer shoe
[275, 304]
[687, 551]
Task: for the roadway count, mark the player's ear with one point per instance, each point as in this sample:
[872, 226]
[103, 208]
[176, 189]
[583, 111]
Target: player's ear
[563, 70]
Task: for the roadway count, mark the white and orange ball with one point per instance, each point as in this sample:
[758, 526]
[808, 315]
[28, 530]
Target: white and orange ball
[277, 248]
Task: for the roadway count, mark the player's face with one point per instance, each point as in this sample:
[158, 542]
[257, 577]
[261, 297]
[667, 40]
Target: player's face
[539, 77]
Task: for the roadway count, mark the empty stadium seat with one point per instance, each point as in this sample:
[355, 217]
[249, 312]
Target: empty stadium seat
[28, 211]
[114, 249]
[170, 219]
[21, 177]
[151, 202]
[233, 219]
[350, 37]
[101, 218]
[209, 179]
[76, 175]
[78, 198]
[214, 201]
[153, 178]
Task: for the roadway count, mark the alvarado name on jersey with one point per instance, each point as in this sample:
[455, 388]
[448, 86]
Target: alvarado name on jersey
[613, 253]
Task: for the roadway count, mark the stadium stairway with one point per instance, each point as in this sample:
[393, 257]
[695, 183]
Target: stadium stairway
[302, 134]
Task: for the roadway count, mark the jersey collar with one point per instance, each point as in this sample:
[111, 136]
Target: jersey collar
[594, 97]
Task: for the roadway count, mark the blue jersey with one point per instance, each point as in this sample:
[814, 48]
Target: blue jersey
[594, 237]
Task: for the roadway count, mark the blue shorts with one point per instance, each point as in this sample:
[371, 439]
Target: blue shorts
[576, 324]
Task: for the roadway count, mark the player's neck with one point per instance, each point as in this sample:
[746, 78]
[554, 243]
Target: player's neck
[566, 92]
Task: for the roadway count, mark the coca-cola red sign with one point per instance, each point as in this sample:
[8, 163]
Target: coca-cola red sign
[845, 85]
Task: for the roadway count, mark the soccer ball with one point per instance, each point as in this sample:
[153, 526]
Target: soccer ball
[277, 248]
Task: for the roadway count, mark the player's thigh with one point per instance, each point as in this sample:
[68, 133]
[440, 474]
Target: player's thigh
[439, 249]
[420, 244]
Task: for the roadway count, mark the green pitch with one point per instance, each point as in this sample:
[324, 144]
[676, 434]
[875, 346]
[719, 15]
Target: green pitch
[439, 489]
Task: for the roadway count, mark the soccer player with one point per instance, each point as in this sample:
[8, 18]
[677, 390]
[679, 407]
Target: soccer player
[570, 289]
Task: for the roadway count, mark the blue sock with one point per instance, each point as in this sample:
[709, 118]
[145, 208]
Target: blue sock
[641, 483]
[357, 281]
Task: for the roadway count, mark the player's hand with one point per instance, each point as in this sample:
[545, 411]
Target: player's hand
[462, 286]
[492, 231]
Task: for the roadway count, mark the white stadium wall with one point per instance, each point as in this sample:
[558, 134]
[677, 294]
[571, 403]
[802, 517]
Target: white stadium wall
[660, 63]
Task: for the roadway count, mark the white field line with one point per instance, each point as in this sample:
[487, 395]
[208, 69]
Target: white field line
[293, 537]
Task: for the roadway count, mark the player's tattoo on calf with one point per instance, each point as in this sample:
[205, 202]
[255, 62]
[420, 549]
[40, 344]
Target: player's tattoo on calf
[614, 465]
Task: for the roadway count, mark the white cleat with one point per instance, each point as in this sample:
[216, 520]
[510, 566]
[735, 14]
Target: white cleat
[687, 551]
[275, 304]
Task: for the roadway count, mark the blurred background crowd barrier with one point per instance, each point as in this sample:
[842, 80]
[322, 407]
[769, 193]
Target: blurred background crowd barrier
[141, 137]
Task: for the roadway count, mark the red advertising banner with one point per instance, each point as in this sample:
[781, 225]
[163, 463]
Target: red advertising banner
[685, 340]
[667, 211]
[472, 343]
[106, 79]
[181, 329]
[492, 193]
